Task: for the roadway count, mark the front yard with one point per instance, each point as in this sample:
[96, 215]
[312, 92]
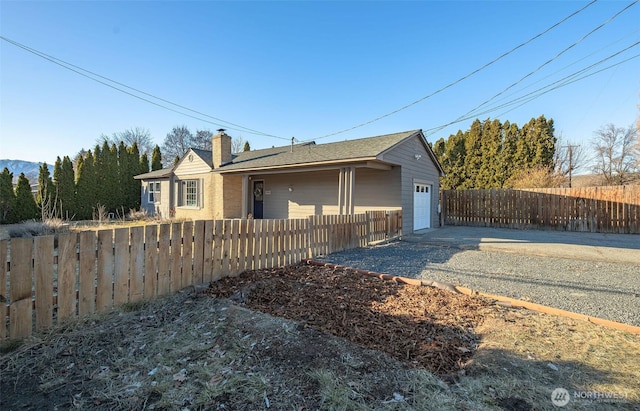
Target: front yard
[308, 337]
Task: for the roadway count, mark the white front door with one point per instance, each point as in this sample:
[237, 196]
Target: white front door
[421, 206]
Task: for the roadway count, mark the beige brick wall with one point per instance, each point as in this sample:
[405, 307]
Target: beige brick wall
[233, 197]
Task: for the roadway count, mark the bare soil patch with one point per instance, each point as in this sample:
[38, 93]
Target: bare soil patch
[308, 337]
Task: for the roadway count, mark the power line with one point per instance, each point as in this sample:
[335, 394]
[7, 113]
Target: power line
[83, 72]
[553, 58]
[572, 78]
[566, 83]
[461, 78]
[541, 80]
[519, 99]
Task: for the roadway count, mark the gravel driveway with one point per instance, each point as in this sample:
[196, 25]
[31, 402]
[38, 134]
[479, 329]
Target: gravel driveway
[593, 274]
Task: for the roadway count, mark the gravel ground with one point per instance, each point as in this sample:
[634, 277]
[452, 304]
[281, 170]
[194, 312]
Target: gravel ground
[598, 289]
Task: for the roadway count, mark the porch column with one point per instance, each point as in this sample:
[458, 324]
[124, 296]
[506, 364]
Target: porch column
[349, 192]
[346, 183]
[340, 190]
[245, 196]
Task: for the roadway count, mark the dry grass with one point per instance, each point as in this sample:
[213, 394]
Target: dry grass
[205, 353]
[526, 355]
[197, 352]
[33, 228]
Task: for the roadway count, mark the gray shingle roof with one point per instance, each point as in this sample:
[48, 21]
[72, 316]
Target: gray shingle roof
[165, 172]
[205, 155]
[301, 154]
[363, 148]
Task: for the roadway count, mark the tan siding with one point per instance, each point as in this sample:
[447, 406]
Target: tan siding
[423, 169]
[377, 189]
[199, 170]
[313, 193]
[161, 208]
[197, 166]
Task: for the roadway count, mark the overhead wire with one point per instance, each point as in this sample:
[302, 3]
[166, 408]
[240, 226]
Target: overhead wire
[110, 83]
[470, 112]
[224, 123]
[569, 79]
[573, 63]
[495, 60]
[570, 82]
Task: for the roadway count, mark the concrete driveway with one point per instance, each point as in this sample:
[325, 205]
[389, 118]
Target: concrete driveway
[616, 248]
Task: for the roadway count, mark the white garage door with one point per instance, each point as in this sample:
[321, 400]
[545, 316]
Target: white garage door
[421, 206]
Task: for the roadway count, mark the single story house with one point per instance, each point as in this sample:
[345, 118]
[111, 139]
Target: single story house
[392, 171]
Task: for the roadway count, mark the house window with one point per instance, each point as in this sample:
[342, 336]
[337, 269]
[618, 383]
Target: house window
[190, 193]
[154, 192]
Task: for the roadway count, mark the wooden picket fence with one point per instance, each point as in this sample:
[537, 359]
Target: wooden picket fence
[45, 280]
[596, 209]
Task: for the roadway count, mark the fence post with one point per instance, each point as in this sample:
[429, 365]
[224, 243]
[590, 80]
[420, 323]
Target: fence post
[20, 310]
[43, 274]
[3, 288]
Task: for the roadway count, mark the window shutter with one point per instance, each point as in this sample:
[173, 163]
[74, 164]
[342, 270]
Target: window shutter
[201, 192]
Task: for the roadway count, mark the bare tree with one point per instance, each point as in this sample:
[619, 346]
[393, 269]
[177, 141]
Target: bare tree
[615, 158]
[568, 158]
[237, 144]
[140, 136]
[202, 139]
[176, 144]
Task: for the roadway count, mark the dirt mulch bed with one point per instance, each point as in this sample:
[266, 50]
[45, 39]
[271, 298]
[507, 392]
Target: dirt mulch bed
[422, 326]
[191, 351]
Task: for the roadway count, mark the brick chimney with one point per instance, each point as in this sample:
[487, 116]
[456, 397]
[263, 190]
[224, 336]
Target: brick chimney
[221, 148]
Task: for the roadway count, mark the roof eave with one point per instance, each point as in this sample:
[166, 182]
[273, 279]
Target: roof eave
[298, 165]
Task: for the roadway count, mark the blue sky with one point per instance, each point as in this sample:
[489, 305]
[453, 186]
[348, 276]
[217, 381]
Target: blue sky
[308, 69]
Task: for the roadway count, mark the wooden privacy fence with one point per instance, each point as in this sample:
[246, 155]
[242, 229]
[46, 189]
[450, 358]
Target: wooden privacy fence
[617, 211]
[47, 279]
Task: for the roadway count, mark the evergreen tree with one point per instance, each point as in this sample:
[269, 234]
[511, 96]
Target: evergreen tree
[25, 208]
[490, 153]
[505, 169]
[454, 161]
[144, 164]
[57, 174]
[156, 159]
[473, 149]
[107, 180]
[545, 143]
[7, 197]
[46, 196]
[86, 187]
[133, 185]
[439, 149]
[247, 147]
[112, 189]
[98, 166]
[124, 170]
[525, 151]
[64, 180]
[491, 148]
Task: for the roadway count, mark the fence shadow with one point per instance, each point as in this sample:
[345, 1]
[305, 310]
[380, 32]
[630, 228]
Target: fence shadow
[406, 258]
[540, 379]
[474, 237]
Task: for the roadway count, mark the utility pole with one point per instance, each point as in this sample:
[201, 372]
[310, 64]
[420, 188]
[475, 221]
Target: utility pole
[570, 149]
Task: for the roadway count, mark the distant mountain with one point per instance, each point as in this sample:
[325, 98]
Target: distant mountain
[29, 168]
